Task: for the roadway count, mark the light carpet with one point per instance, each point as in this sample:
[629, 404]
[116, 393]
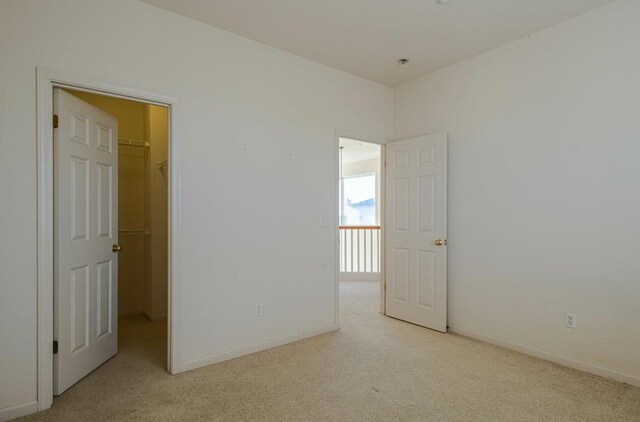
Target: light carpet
[374, 369]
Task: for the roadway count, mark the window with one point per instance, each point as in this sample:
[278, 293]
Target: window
[359, 200]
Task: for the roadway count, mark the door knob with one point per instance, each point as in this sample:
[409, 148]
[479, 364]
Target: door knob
[116, 248]
[440, 242]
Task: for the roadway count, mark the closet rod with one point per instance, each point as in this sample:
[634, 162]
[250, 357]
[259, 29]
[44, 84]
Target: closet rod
[126, 142]
[134, 231]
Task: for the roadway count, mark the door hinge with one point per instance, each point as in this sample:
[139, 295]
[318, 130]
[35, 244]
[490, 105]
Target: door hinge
[55, 121]
[55, 347]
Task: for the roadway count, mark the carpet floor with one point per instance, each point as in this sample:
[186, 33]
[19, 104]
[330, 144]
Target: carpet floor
[373, 369]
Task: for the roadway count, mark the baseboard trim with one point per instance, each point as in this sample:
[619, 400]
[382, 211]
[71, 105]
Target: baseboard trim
[130, 313]
[552, 357]
[360, 277]
[199, 363]
[155, 318]
[20, 410]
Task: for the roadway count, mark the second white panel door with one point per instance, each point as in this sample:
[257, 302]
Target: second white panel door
[416, 226]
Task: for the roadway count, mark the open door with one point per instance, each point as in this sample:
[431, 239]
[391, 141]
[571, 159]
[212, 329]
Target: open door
[85, 239]
[416, 230]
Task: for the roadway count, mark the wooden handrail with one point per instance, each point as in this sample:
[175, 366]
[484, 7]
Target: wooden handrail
[359, 227]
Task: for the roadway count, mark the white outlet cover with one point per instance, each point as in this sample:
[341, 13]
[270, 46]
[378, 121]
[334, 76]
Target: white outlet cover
[570, 320]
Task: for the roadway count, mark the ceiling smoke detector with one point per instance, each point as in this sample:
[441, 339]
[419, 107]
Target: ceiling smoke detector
[403, 62]
[441, 1]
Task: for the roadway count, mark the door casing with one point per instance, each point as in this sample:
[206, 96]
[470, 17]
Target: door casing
[46, 81]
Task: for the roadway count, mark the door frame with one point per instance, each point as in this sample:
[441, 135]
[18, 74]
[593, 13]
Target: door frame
[46, 81]
[341, 133]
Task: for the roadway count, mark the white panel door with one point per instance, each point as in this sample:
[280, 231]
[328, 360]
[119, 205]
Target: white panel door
[416, 230]
[85, 230]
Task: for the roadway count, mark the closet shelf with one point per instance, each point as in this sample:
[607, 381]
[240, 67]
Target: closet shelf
[145, 232]
[137, 143]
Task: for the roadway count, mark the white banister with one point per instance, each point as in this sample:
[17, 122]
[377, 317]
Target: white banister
[360, 249]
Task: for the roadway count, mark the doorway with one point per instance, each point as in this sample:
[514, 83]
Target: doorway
[110, 229]
[392, 229]
[105, 226]
[360, 223]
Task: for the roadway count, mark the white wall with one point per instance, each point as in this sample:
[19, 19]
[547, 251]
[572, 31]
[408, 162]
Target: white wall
[252, 117]
[544, 188]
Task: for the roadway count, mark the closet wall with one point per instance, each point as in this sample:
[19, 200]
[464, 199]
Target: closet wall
[142, 199]
[157, 132]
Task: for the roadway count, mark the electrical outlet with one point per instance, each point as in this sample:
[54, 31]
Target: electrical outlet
[570, 320]
[258, 308]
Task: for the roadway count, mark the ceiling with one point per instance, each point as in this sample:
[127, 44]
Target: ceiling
[354, 150]
[366, 37]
